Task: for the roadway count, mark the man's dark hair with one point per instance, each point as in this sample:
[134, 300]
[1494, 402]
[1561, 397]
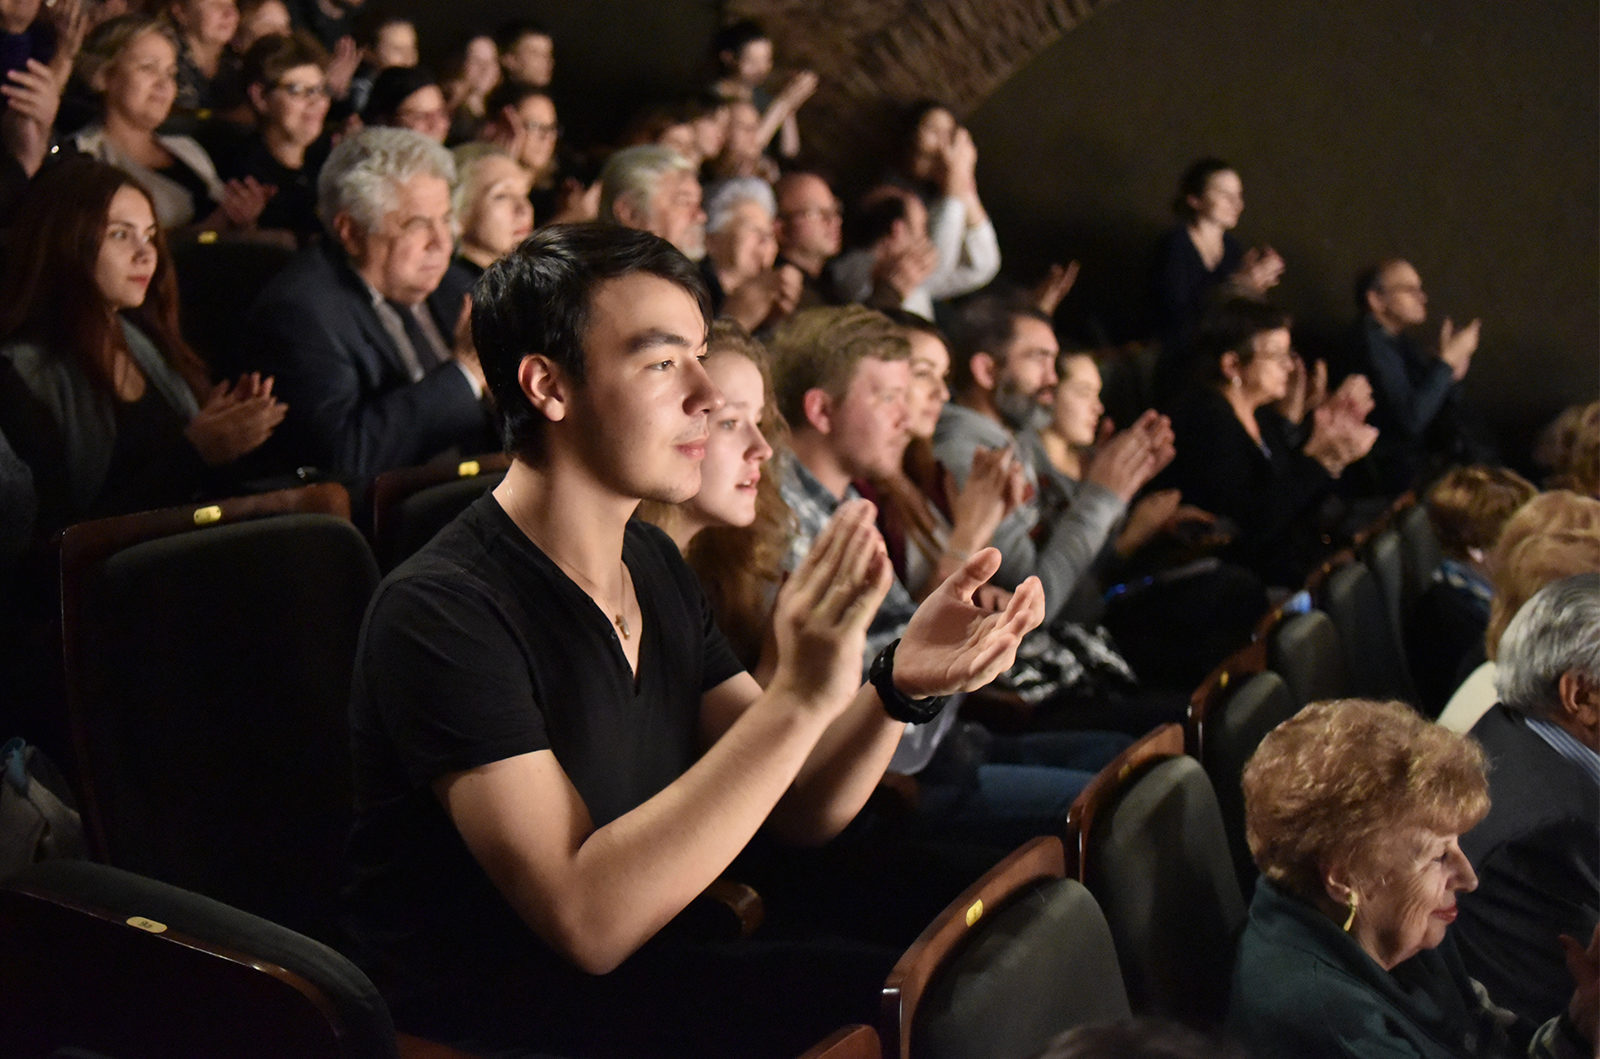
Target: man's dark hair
[875, 216]
[1370, 281]
[536, 299]
[985, 324]
[1231, 327]
[1193, 185]
[508, 34]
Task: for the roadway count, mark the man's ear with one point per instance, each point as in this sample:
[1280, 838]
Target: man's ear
[1374, 302]
[351, 236]
[984, 370]
[258, 97]
[545, 386]
[1580, 698]
[628, 213]
[818, 409]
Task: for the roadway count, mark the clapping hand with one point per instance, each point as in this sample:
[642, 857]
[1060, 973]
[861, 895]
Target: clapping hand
[823, 610]
[1457, 347]
[1125, 462]
[954, 644]
[1057, 282]
[235, 419]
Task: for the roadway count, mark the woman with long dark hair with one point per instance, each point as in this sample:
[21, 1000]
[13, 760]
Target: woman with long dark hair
[99, 393]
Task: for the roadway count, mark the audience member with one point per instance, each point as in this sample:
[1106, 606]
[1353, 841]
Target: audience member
[527, 53]
[842, 377]
[741, 154]
[655, 189]
[1569, 450]
[131, 62]
[940, 165]
[360, 345]
[386, 40]
[734, 533]
[490, 199]
[408, 97]
[260, 18]
[1467, 507]
[744, 56]
[467, 88]
[100, 395]
[1240, 459]
[810, 232]
[653, 766]
[929, 525]
[1198, 260]
[889, 257]
[1354, 811]
[1173, 607]
[1537, 853]
[740, 266]
[1554, 535]
[287, 88]
[205, 62]
[1003, 368]
[523, 121]
[1419, 415]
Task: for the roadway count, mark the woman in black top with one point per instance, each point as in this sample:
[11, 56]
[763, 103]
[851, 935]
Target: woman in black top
[1241, 459]
[99, 394]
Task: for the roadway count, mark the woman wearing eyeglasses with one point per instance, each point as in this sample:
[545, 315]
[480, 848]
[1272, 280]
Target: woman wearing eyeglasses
[1262, 473]
[286, 85]
[99, 394]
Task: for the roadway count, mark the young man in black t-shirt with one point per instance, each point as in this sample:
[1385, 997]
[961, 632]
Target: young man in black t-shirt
[555, 750]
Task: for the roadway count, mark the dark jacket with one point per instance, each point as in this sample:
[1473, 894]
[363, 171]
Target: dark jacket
[1303, 988]
[353, 409]
[1537, 855]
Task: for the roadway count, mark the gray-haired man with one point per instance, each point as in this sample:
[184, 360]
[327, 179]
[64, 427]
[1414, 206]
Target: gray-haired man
[357, 332]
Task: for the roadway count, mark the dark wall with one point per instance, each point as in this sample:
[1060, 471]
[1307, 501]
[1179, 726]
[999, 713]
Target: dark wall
[1464, 135]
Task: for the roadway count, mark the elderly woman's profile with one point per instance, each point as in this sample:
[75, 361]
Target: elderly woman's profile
[1353, 811]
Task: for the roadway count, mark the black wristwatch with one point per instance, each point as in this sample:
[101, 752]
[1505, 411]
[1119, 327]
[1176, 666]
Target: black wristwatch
[895, 703]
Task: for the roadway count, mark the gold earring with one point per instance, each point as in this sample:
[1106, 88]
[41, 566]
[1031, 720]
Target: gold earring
[1350, 903]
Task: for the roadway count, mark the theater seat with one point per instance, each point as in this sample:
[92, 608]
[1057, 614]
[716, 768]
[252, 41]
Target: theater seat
[117, 964]
[1253, 707]
[1374, 664]
[208, 653]
[410, 505]
[1020, 956]
[1304, 649]
[1155, 856]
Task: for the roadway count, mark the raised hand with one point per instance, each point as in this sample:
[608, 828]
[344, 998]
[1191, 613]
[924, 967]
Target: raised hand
[1259, 270]
[32, 95]
[243, 201]
[823, 610]
[1457, 347]
[954, 644]
[1338, 437]
[1130, 459]
[342, 66]
[990, 493]
[1057, 282]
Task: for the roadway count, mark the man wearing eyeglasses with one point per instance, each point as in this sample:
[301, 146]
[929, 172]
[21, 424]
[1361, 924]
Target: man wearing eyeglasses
[810, 227]
[1417, 391]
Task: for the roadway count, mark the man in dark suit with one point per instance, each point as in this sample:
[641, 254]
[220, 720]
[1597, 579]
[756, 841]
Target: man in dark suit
[358, 332]
[1537, 853]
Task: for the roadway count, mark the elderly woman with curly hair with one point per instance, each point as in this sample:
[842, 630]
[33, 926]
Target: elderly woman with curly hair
[1354, 811]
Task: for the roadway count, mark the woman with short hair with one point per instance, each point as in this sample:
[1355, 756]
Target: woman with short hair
[1353, 812]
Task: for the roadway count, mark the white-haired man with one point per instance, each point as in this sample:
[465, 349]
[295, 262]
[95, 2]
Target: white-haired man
[357, 331]
[1537, 853]
[655, 189]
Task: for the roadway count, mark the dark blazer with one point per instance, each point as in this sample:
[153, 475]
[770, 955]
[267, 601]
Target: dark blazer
[1537, 855]
[353, 410]
[1303, 988]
